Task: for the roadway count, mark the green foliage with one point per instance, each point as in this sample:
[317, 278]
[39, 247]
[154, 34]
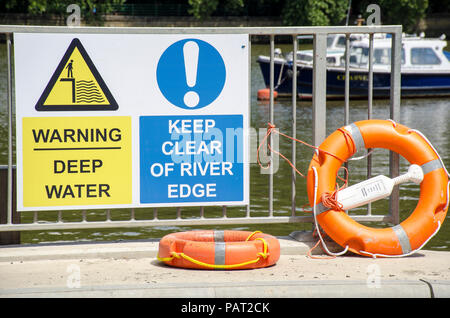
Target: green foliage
[202, 9]
[405, 12]
[91, 10]
[314, 12]
[233, 6]
[440, 6]
[293, 12]
[59, 6]
[13, 5]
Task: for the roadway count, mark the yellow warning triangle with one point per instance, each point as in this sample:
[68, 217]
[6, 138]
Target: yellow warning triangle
[76, 85]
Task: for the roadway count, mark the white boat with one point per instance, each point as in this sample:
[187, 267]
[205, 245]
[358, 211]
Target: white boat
[425, 70]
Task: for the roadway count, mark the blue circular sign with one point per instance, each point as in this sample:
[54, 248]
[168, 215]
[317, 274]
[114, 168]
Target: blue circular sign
[191, 74]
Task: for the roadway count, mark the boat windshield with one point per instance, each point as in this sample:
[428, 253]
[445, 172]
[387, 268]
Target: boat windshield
[330, 40]
[339, 43]
[304, 57]
[381, 56]
[424, 55]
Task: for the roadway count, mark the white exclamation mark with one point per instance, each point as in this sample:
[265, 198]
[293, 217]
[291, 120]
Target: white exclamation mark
[190, 51]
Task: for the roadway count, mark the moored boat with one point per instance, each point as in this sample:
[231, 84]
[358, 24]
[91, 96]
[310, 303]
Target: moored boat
[425, 70]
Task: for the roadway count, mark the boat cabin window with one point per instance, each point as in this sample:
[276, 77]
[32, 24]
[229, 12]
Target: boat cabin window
[331, 60]
[304, 57]
[330, 40]
[424, 55]
[381, 56]
[359, 55]
[341, 42]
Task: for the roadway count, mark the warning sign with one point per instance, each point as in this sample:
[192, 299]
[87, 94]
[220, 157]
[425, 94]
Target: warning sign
[76, 85]
[76, 161]
[191, 159]
[179, 138]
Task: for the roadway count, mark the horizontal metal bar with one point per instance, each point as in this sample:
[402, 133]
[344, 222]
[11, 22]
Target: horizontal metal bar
[203, 30]
[176, 222]
[158, 222]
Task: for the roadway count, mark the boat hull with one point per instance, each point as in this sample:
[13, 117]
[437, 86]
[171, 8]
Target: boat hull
[412, 84]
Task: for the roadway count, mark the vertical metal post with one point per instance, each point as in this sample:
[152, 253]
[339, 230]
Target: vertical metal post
[319, 88]
[347, 80]
[272, 69]
[249, 89]
[394, 158]
[294, 120]
[370, 79]
[10, 114]
[347, 89]
[369, 109]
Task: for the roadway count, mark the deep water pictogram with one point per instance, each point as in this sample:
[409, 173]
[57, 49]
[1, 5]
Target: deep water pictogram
[76, 85]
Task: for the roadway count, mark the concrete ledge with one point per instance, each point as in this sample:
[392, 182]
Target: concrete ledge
[130, 269]
[64, 251]
[439, 288]
[274, 289]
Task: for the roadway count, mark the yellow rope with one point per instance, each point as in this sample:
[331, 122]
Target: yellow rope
[263, 254]
[165, 259]
[188, 258]
[248, 238]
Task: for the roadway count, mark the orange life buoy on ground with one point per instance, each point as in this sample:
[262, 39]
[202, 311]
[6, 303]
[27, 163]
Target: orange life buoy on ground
[219, 249]
[411, 234]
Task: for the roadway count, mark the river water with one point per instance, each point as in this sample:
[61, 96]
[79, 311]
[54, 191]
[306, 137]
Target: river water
[430, 116]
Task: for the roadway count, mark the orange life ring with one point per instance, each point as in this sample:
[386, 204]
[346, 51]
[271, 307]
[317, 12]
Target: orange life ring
[264, 94]
[219, 249]
[411, 234]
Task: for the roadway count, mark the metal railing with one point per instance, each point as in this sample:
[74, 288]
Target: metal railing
[318, 122]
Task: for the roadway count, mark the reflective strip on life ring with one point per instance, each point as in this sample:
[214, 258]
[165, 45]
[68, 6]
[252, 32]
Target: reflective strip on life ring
[219, 249]
[412, 233]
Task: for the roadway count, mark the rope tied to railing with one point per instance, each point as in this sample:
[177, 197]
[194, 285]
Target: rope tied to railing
[329, 199]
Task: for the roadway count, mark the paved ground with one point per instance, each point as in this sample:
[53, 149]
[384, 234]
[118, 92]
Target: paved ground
[130, 269]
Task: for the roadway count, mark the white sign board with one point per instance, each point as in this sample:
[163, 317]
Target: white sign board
[131, 120]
